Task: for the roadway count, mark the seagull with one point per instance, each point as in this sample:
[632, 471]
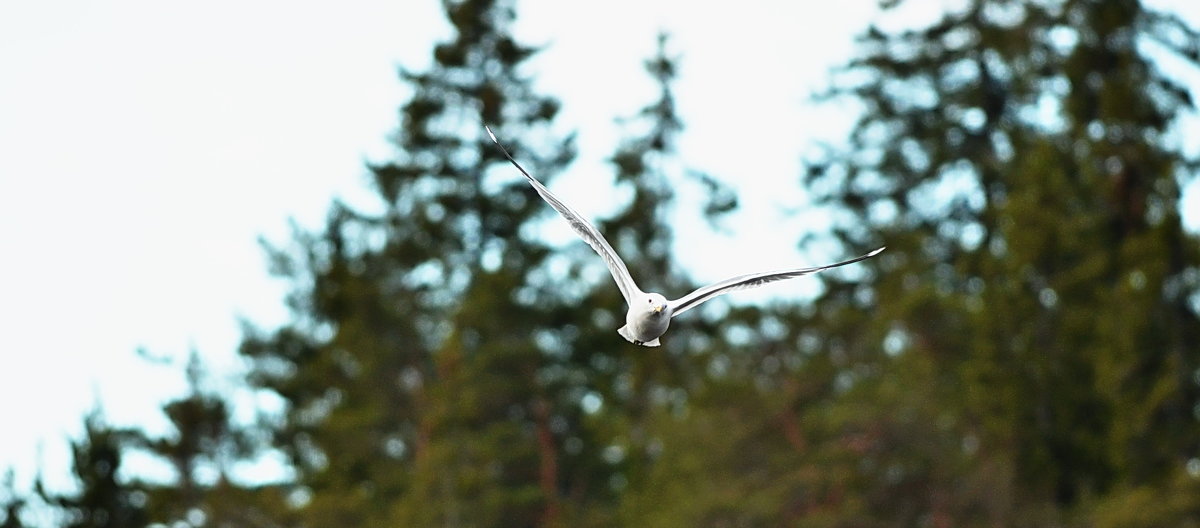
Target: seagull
[650, 313]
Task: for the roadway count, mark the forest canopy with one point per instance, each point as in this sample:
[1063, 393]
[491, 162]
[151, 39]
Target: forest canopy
[1023, 354]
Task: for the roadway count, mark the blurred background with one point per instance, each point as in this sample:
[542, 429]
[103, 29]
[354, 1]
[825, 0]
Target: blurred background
[262, 266]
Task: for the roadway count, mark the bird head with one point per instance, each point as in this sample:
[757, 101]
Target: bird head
[656, 304]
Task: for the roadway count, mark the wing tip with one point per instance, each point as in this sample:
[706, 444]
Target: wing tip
[490, 134]
[876, 252]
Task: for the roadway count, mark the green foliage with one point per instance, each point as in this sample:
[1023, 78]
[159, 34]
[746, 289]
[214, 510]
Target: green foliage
[202, 450]
[443, 368]
[103, 500]
[12, 505]
[413, 378]
[1173, 502]
[1011, 156]
[1022, 355]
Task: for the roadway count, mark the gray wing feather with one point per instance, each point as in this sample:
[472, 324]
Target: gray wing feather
[752, 280]
[584, 229]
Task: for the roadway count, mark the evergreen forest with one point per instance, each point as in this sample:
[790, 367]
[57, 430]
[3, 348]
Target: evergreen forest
[1026, 353]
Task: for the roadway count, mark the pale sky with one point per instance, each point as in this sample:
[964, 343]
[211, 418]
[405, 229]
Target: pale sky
[146, 145]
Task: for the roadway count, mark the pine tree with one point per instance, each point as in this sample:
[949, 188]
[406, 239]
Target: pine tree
[443, 369]
[12, 505]
[631, 390]
[1016, 159]
[701, 439]
[202, 450]
[971, 376]
[103, 499]
[413, 374]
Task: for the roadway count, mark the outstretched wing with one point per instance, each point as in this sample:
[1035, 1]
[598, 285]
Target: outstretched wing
[584, 229]
[752, 280]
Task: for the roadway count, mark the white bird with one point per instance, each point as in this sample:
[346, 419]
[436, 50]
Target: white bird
[650, 313]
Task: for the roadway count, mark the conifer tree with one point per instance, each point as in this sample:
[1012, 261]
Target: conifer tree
[443, 370]
[633, 388]
[1016, 157]
[103, 499]
[413, 374]
[1030, 319]
[202, 450]
[12, 504]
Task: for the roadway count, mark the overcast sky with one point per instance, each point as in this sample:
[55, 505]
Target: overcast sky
[146, 145]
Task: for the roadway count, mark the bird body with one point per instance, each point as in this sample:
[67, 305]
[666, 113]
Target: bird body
[650, 314]
[645, 322]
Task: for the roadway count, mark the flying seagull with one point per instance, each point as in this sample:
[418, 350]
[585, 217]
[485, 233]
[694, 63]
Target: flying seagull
[650, 313]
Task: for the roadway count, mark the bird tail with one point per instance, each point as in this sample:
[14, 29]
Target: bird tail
[628, 335]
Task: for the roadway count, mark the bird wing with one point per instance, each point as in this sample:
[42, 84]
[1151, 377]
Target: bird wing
[584, 229]
[752, 280]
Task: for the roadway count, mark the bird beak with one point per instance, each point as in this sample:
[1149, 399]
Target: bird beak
[659, 308]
